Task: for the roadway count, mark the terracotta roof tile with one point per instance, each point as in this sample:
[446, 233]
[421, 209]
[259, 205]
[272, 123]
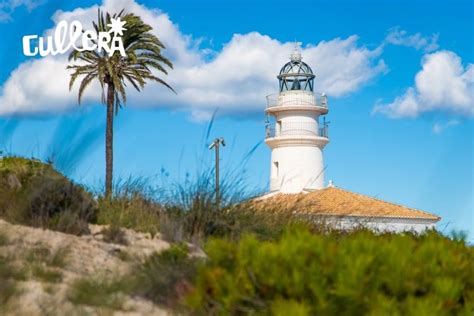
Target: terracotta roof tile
[338, 202]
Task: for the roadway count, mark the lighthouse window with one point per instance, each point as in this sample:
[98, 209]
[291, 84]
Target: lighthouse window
[275, 169]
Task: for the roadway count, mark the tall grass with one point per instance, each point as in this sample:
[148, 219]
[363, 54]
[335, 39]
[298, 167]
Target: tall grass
[134, 205]
[187, 210]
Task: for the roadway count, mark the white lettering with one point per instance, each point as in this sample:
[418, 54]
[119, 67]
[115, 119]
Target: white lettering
[109, 42]
[103, 42]
[87, 38]
[26, 45]
[117, 44]
[60, 37]
[74, 33]
[49, 49]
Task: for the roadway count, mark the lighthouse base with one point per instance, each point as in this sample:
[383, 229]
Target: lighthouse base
[296, 169]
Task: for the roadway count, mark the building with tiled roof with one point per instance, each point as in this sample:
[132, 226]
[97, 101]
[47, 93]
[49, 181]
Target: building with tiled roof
[344, 210]
[297, 138]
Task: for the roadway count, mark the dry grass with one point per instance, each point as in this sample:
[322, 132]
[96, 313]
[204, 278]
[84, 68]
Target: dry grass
[114, 234]
[134, 205]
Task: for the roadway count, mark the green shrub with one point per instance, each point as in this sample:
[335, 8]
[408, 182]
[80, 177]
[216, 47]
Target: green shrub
[243, 219]
[165, 277]
[98, 292]
[336, 274]
[33, 193]
[45, 274]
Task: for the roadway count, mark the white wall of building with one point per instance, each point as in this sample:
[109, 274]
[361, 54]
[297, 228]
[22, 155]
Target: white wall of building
[380, 224]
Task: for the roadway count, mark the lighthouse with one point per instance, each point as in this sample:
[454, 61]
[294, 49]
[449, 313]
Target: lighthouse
[296, 130]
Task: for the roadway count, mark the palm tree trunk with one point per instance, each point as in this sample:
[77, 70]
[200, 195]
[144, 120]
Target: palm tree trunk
[109, 140]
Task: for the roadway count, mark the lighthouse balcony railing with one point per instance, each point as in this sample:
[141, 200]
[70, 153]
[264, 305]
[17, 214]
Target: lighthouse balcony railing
[297, 129]
[297, 98]
[324, 131]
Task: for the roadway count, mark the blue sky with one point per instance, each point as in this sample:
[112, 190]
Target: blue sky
[398, 74]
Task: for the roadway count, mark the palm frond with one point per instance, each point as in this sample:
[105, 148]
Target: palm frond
[84, 83]
[143, 57]
[161, 81]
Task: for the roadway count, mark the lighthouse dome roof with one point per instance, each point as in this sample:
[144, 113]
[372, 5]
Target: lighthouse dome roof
[296, 74]
[296, 66]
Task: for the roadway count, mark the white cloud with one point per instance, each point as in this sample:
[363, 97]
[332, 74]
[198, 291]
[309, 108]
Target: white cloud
[439, 127]
[235, 80]
[8, 6]
[396, 36]
[443, 84]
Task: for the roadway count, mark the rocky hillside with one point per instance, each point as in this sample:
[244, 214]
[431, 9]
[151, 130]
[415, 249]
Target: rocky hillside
[48, 267]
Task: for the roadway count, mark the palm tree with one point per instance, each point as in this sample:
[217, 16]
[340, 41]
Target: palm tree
[143, 53]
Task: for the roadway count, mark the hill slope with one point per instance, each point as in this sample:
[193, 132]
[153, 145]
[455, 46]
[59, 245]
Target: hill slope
[46, 266]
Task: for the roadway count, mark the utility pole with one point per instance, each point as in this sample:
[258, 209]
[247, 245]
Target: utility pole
[215, 144]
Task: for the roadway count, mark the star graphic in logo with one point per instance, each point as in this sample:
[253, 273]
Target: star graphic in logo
[116, 26]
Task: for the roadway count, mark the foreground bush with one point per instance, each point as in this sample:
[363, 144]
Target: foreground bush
[33, 193]
[353, 274]
[165, 277]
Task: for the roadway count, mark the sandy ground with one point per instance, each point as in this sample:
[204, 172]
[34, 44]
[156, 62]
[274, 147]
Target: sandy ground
[87, 256]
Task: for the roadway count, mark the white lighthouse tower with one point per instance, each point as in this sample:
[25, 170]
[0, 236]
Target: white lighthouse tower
[294, 131]
[297, 135]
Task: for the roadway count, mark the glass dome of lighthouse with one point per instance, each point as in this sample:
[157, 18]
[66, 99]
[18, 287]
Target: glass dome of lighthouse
[296, 74]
